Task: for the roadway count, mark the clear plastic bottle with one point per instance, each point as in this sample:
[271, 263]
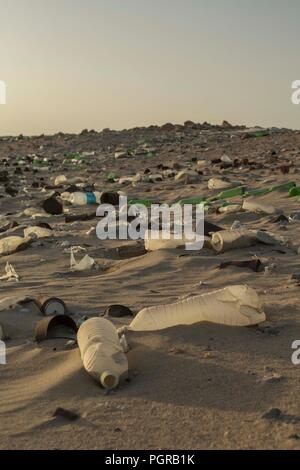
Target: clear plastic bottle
[82, 199]
[101, 352]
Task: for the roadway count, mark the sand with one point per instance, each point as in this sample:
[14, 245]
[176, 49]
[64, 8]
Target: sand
[198, 387]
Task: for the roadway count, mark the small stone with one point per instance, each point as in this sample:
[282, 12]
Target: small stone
[66, 414]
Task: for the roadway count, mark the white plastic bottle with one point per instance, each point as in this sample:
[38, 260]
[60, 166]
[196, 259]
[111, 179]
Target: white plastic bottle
[82, 199]
[232, 306]
[101, 352]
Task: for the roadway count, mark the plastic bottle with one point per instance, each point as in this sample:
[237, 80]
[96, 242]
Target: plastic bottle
[227, 240]
[13, 244]
[81, 199]
[232, 306]
[39, 232]
[101, 352]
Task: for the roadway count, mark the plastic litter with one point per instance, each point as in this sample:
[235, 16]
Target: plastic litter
[215, 183]
[13, 244]
[85, 264]
[38, 232]
[10, 273]
[101, 352]
[59, 180]
[233, 306]
[82, 199]
[231, 240]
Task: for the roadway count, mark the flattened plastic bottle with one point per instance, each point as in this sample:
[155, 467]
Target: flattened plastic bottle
[233, 306]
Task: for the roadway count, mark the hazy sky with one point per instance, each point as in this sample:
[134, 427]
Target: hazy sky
[75, 64]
